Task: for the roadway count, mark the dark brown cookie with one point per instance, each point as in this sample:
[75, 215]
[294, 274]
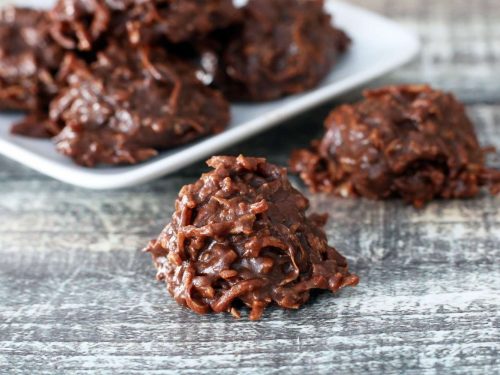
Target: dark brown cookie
[79, 24]
[28, 59]
[36, 125]
[401, 141]
[284, 47]
[179, 20]
[129, 104]
[83, 24]
[241, 234]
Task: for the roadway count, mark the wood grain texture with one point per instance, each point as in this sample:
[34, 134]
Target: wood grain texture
[78, 296]
[461, 42]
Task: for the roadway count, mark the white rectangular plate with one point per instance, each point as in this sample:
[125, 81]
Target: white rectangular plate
[379, 45]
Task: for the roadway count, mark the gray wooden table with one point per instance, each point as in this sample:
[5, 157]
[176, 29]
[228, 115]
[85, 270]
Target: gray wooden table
[77, 295]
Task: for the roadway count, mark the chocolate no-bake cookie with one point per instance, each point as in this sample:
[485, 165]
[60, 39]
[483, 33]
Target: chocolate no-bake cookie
[79, 24]
[89, 25]
[36, 125]
[284, 47]
[179, 20]
[240, 234]
[410, 141]
[28, 59]
[129, 104]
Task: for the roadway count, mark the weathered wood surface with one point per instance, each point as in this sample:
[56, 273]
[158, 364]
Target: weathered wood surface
[77, 295]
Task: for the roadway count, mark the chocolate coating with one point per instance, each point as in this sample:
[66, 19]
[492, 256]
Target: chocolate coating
[129, 104]
[411, 142]
[284, 47]
[240, 234]
[78, 24]
[179, 20]
[36, 125]
[81, 24]
[28, 59]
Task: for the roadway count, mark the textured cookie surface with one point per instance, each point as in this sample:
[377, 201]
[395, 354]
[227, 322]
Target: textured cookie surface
[240, 234]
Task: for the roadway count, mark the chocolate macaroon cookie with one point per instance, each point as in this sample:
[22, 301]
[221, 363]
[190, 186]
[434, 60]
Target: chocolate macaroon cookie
[80, 24]
[241, 235]
[284, 47]
[410, 141]
[179, 20]
[29, 59]
[128, 105]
